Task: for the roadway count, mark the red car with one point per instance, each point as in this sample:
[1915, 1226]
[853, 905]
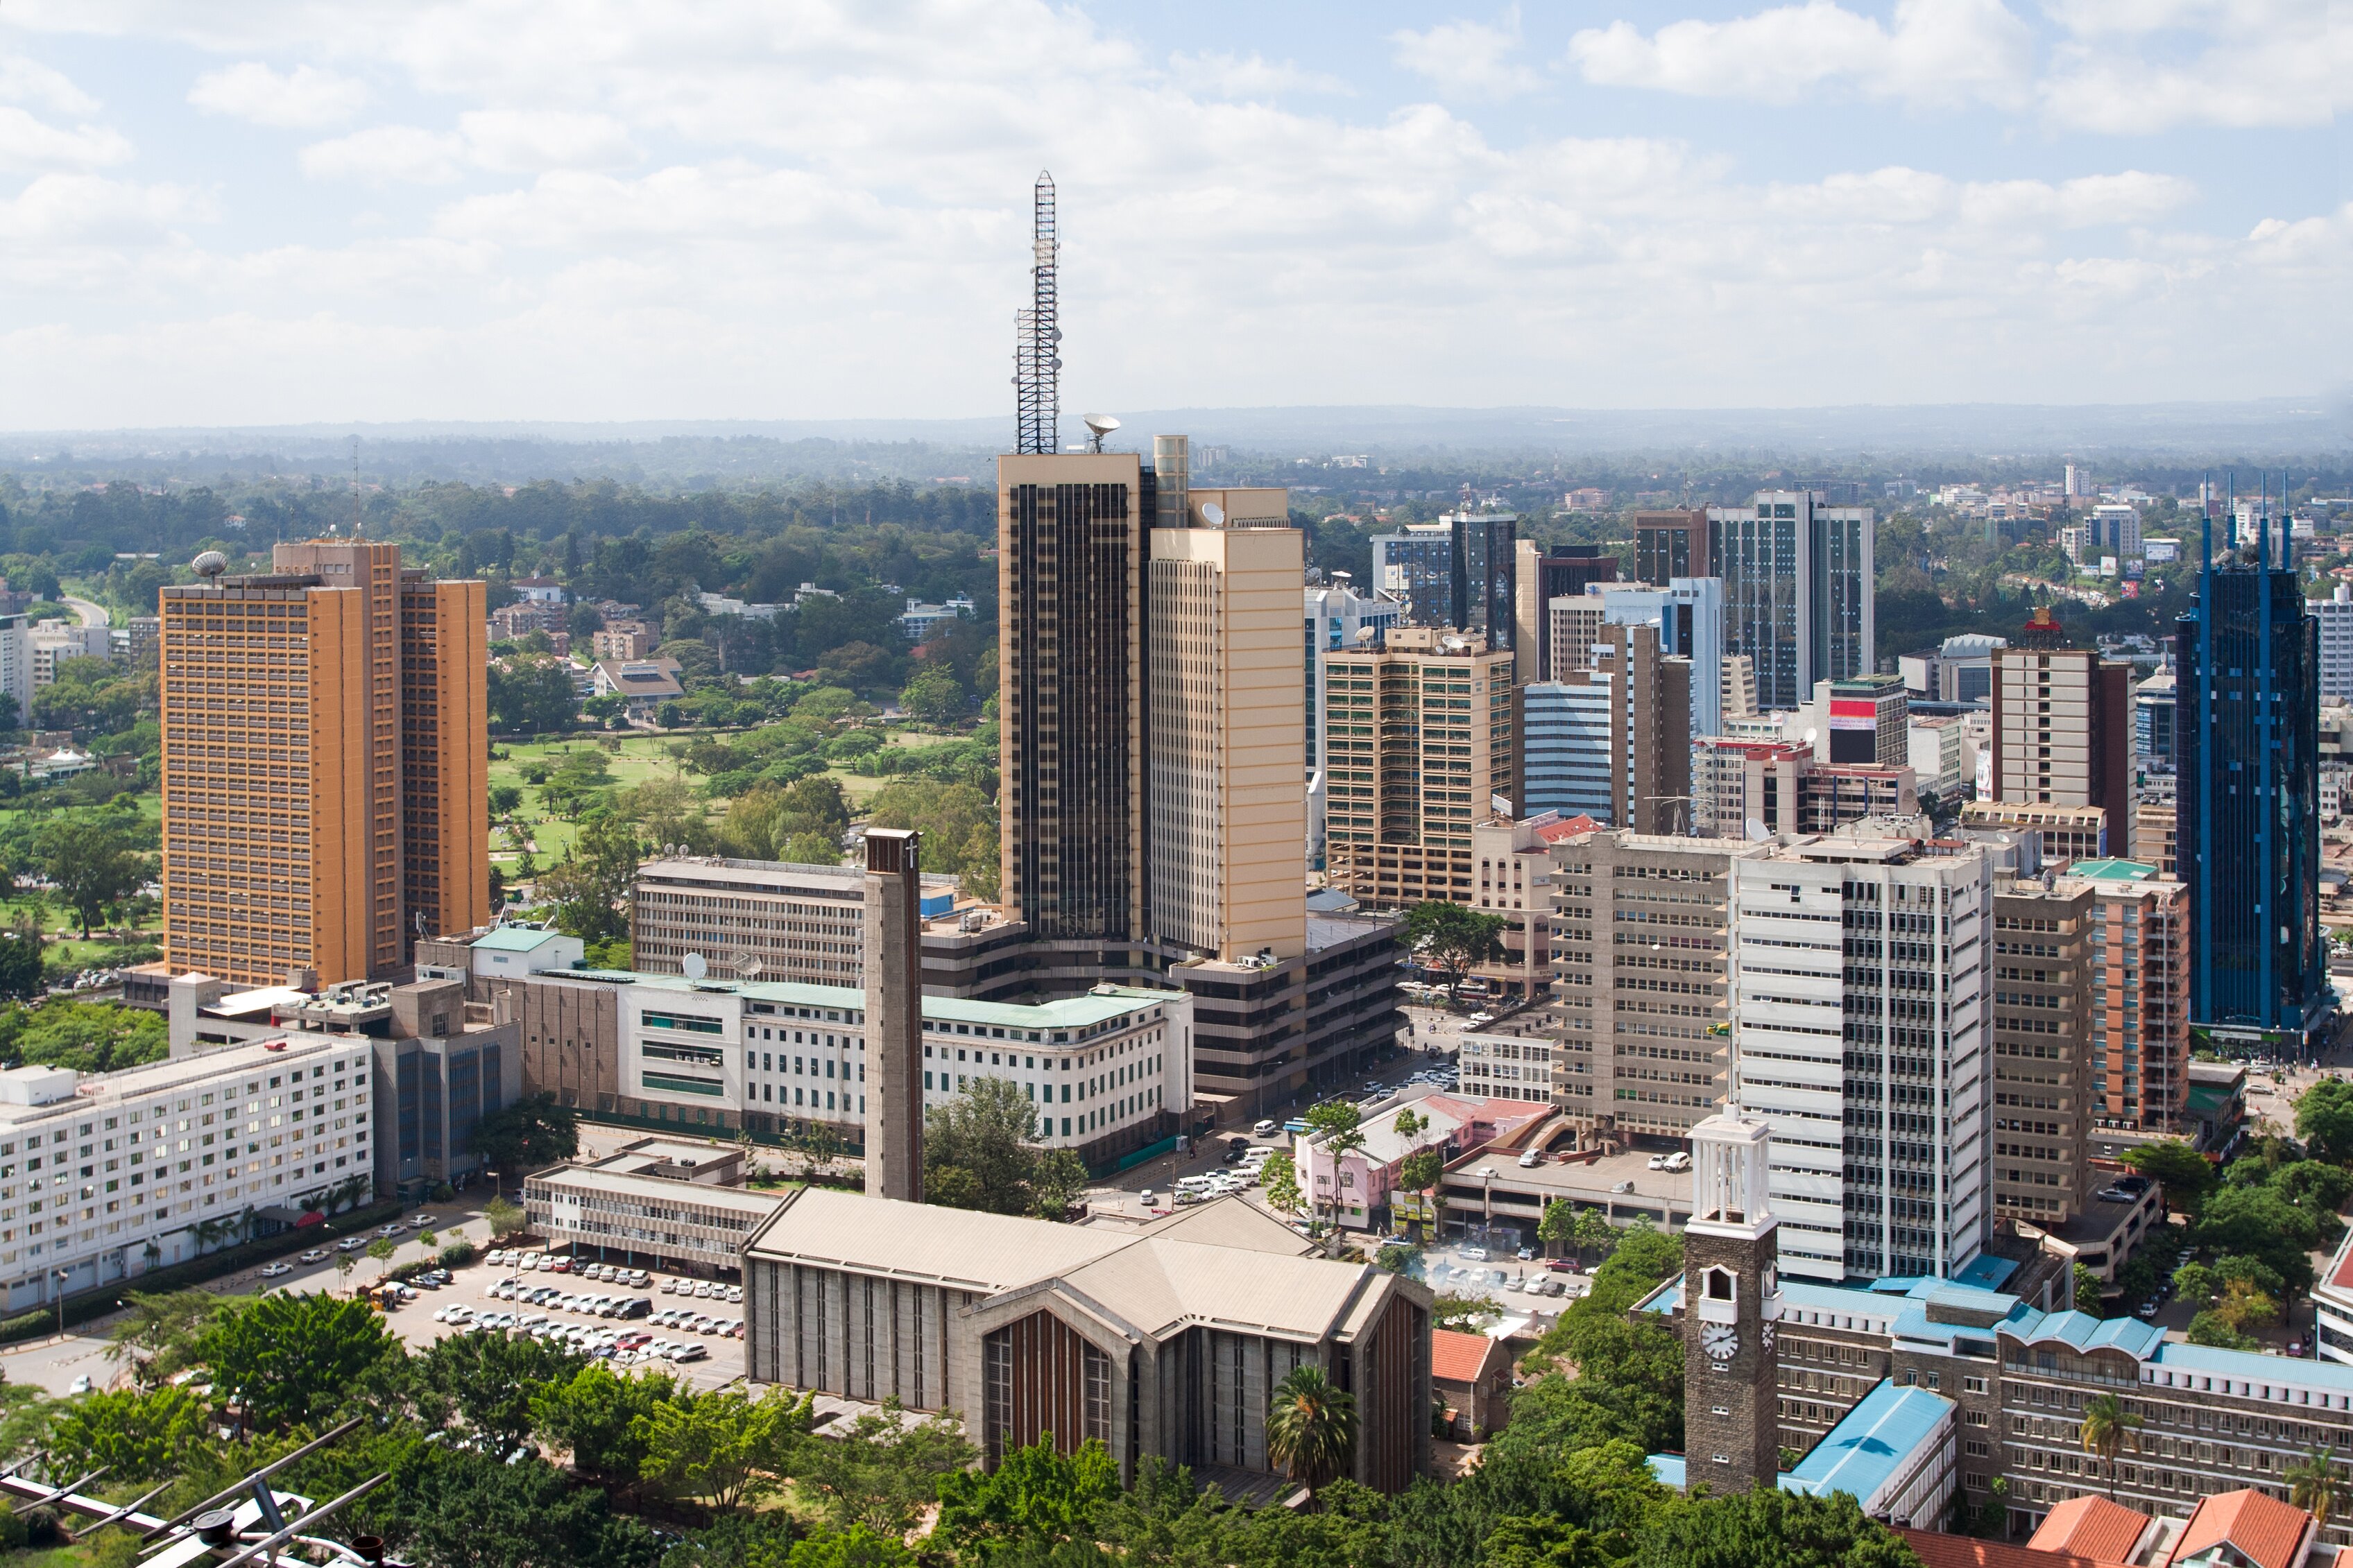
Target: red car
[632, 1341]
[1561, 1265]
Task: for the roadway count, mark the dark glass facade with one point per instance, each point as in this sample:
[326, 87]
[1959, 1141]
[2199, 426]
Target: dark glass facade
[2247, 660]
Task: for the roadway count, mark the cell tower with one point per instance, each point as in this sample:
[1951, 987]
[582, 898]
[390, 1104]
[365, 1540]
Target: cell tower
[1037, 362]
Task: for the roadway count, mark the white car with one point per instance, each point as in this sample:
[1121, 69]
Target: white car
[1678, 1160]
[735, 1293]
[1266, 1128]
[688, 1353]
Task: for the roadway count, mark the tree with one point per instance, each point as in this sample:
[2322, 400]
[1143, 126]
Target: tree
[2324, 1120]
[2186, 1175]
[88, 1036]
[1594, 1234]
[2313, 1484]
[1406, 1123]
[2088, 1287]
[139, 1436]
[2107, 1430]
[1557, 1228]
[490, 1379]
[595, 1413]
[1035, 1498]
[984, 1133]
[20, 966]
[1418, 1172]
[932, 694]
[1766, 1528]
[2208, 1328]
[291, 1359]
[716, 1445]
[455, 1508]
[93, 865]
[1311, 1427]
[159, 1331]
[532, 696]
[884, 1470]
[1279, 1183]
[1058, 1181]
[589, 885]
[535, 1131]
[1451, 937]
[506, 1218]
[1339, 1127]
[382, 1249]
[345, 1264]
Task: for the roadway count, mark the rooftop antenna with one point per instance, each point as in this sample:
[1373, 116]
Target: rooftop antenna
[1037, 362]
[1099, 425]
[356, 487]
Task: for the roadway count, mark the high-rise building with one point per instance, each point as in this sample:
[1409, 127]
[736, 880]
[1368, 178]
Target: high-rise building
[1866, 721]
[1071, 548]
[1797, 581]
[1672, 544]
[1428, 721]
[1642, 1043]
[2247, 659]
[1650, 729]
[324, 765]
[1457, 573]
[2335, 614]
[1688, 614]
[2063, 723]
[1573, 624]
[1542, 575]
[2153, 711]
[2043, 1049]
[1862, 1036]
[1564, 747]
[1225, 738]
[1337, 616]
[1773, 789]
[2140, 1021]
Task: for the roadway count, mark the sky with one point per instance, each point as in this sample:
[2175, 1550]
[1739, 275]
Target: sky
[256, 212]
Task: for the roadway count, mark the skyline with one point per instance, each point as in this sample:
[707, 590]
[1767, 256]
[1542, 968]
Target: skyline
[389, 213]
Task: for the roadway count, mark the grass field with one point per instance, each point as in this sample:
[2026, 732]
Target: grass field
[863, 787]
[641, 760]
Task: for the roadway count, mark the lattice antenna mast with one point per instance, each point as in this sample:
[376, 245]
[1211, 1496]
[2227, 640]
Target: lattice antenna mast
[1037, 362]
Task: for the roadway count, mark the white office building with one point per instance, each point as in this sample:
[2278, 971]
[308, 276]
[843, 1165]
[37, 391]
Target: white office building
[1862, 1033]
[104, 1176]
[2335, 614]
[1566, 750]
[1689, 615]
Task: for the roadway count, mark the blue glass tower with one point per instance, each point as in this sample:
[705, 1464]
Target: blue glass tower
[2247, 660]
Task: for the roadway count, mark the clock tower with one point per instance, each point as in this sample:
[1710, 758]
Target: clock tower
[1732, 1310]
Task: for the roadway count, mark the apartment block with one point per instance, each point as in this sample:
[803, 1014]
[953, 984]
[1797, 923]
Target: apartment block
[1226, 742]
[2139, 1003]
[2043, 1049]
[1862, 1036]
[757, 920]
[2062, 726]
[1640, 951]
[444, 762]
[1425, 727]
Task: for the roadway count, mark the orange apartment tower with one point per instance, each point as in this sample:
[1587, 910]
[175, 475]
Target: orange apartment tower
[324, 738]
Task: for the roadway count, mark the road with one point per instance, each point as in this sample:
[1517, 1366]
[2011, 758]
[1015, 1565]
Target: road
[91, 614]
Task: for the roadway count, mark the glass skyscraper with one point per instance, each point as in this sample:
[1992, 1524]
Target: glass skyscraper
[2247, 663]
[1798, 580]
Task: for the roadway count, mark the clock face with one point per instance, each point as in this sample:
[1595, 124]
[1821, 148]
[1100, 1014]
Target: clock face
[1719, 1341]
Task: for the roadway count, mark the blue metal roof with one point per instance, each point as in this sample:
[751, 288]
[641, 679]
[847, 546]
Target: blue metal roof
[1874, 1445]
[2082, 1331]
[1669, 1470]
[2178, 1356]
[1987, 1272]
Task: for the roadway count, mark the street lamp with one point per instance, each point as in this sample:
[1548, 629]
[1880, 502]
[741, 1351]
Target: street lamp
[1487, 1213]
[62, 1276]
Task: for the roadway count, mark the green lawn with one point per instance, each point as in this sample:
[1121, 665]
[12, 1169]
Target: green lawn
[641, 760]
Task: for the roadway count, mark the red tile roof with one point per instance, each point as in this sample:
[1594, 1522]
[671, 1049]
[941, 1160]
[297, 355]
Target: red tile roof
[1458, 1357]
[1567, 827]
[2259, 1527]
[2090, 1526]
[1938, 1550]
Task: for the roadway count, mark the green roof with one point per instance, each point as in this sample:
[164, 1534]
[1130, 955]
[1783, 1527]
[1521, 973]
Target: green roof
[2114, 871]
[1100, 1006]
[517, 939]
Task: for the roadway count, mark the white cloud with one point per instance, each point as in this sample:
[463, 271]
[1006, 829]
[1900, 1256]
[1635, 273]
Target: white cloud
[2230, 64]
[1219, 75]
[29, 143]
[1469, 60]
[23, 80]
[1939, 53]
[85, 209]
[304, 99]
[388, 155]
[529, 142]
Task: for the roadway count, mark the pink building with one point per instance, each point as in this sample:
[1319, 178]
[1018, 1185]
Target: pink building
[1351, 1187]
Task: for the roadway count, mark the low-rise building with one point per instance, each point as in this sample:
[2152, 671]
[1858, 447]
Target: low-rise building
[1471, 1374]
[627, 1213]
[1162, 1341]
[1354, 1189]
[2066, 832]
[758, 919]
[645, 683]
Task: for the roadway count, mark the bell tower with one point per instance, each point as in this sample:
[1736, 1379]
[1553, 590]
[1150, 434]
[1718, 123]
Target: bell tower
[1731, 1308]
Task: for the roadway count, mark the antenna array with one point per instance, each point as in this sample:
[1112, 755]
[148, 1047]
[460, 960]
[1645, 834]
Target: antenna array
[1037, 362]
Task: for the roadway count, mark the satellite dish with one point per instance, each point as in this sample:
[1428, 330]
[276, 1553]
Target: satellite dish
[693, 967]
[1214, 514]
[211, 563]
[1099, 425]
[1366, 634]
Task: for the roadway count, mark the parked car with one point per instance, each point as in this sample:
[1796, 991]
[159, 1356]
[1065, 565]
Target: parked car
[1265, 1129]
[80, 1385]
[1658, 1163]
[1474, 1255]
[352, 1244]
[395, 1229]
[421, 1221]
[1678, 1160]
[1531, 1159]
[314, 1256]
[273, 1270]
[688, 1353]
[1623, 1187]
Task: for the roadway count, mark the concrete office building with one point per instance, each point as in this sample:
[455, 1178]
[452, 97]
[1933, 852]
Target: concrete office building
[1862, 1035]
[1515, 882]
[764, 919]
[1647, 764]
[1226, 739]
[1798, 583]
[1960, 670]
[1864, 719]
[2043, 1050]
[2140, 1010]
[2062, 726]
[2335, 614]
[1162, 1341]
[2063, 833]
[2153, 713]
[1072, 550]
[1688, 615]
[1771, 789]
[1574, 624]
[628, 1211]
[1424, 726]
[1641, 1041]
[2248, 661]
[247, 1136]
[1337, 616]
[1672, 544]
[1541, 575]
[2156, 823]
[441, 1066]
[1458, 572]
[324, 729]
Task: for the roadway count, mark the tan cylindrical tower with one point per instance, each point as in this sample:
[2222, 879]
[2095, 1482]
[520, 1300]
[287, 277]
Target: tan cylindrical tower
[894, 1015]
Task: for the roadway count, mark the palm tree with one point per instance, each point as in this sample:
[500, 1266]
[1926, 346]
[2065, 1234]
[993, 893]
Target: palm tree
[2107, 1431]
[1311, 1431]
[2312, 1486]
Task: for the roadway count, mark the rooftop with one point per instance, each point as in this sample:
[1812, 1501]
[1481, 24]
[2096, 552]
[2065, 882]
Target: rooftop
[2114, 870]
[1458, 1357]
[2256, 1526]
[2090, 1526]
[715, 869]
[1100, 1005]
[162, 1077]
[518, 938]
[1866, 1451]
[616, 1175]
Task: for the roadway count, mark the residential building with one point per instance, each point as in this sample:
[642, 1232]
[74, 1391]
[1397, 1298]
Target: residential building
[1472, 1376]
[512, 623]
[1072, 552]
[1337, 616]
[1226, 742]
[2063, 833]
[1862, 1035]
[643, 684]
[289, 1119]
[51, 642]
[2062, 726]
[1161, 1341]
[16, 670]
[2335, 614]
[1798, 583]
[2043, 1050]
[325, 765]
[755, 919]
[1672, 544]
[2140, 1017]
[1458, 572]
[721, 604]
[539, 589]
[2247, 658]
[1540, 576]
[1640, 1034]
[1428, 720]
[922, 621]
[623, 642]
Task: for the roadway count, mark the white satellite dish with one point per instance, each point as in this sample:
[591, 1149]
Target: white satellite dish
[1099, 425]
[693, 967]
[1213, 514]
